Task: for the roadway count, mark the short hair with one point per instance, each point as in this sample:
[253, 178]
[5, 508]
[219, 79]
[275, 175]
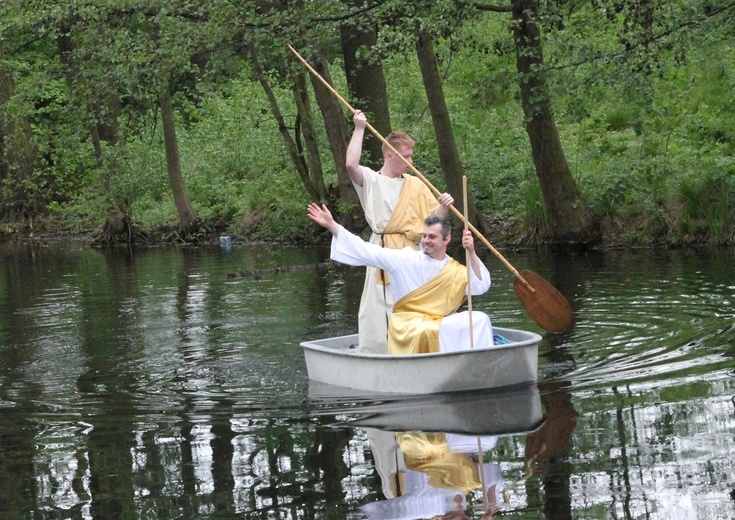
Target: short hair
[397, 139]
[438, 219]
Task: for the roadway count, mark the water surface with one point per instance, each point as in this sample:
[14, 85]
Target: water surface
[169, 383]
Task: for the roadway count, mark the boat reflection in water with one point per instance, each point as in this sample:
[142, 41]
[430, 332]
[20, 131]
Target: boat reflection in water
[430, 450]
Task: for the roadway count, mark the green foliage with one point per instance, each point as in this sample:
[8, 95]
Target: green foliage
[707, 208]
[235, 169]
[637, 132]
[535, 217]
[642, 100]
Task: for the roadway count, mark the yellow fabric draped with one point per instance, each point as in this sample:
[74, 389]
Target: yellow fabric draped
[414, 324]
[429, 453]
[406, 224]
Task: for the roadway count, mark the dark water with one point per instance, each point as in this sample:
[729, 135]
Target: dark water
[169, 383]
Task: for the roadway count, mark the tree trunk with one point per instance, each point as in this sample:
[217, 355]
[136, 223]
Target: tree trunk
[366, 84]
[447, 146]
[187, 215]
[338, 135]
[106, 110]
[569, 219]
[293, 151]
[310, 148]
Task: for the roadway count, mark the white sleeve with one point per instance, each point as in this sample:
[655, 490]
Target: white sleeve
[352, 250]
[480, 286]
[368, 177]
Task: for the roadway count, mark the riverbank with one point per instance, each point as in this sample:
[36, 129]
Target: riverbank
[500, 235]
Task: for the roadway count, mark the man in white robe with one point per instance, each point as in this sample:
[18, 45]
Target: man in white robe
[395, 205]
[412, 271]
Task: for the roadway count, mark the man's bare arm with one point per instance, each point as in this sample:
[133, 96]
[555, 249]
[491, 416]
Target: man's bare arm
[354, 149]
[445, 200]
[468, 242]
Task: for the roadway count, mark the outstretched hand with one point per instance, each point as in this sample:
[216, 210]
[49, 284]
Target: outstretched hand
[322, 216]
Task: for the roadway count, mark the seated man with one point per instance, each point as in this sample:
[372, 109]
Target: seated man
[428, 286]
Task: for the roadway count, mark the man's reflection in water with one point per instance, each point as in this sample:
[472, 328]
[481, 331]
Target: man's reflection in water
[428, 475]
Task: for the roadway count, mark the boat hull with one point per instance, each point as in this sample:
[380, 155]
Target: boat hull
[336, 361]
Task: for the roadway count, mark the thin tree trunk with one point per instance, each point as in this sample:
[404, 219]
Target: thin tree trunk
[446, 144]
[293, 151]
[187, 214]
[310, 149]
[569, 219]
[106, 109]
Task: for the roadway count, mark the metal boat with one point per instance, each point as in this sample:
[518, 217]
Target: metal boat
[338, 361]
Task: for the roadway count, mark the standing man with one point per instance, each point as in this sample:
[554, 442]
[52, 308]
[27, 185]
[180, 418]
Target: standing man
[395, 205]
[428, 286]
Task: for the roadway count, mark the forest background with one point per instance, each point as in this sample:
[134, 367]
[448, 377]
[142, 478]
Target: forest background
[597, 122]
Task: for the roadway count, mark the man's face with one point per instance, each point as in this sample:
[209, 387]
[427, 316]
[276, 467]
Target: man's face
[433, 243]
[397, 163]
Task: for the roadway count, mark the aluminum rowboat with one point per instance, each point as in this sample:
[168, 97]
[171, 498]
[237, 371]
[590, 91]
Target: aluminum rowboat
[337, 361]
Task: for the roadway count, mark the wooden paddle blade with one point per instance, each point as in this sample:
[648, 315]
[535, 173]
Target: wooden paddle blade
[547, 306]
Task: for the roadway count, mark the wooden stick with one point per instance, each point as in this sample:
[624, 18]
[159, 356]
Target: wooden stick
[481, 471]
[468, 259]
[418, 173]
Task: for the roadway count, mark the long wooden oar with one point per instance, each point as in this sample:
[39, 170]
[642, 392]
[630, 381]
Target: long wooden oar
[468, 261]
[547, 306]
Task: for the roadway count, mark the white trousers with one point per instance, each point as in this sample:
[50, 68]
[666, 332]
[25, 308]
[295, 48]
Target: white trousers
[454, 331]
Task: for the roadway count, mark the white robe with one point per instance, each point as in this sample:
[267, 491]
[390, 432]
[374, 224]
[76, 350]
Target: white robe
[378, 196]
[417, 499]
[411, 269]
[420, 499]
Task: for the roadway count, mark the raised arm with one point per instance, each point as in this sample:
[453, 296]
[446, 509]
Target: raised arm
[482, 275]
[445, 200]
[354, 149]
[352, 250]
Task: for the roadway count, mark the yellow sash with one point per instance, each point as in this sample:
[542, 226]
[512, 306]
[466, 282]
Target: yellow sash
[430, 454]
[406, 224]
[414, 324]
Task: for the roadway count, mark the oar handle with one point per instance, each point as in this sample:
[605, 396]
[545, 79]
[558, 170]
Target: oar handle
[326, 84]
[415, 171]
[468, 261]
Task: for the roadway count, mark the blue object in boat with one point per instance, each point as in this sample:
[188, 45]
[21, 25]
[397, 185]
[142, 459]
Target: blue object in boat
[500, 340]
